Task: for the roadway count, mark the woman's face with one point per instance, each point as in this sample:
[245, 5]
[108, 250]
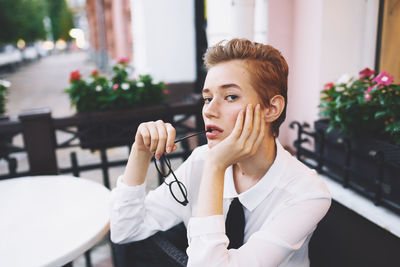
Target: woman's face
[227, 90]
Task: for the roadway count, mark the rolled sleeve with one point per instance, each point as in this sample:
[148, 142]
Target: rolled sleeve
[125, 193]
[207, 240]
[199, 226]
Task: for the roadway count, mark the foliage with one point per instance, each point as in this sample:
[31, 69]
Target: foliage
[21, 19]
[61, 19]
[120, 92]
[367, 106]
[3, 95]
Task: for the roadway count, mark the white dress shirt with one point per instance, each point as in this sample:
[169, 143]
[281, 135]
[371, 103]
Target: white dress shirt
[281, 212]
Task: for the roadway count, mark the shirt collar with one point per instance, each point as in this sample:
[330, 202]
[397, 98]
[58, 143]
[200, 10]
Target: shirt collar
[251, 198]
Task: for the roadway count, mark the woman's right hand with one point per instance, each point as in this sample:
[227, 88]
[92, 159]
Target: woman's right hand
[243, 142]
[155, 137]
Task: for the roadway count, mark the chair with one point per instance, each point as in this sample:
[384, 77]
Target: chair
[162, 249]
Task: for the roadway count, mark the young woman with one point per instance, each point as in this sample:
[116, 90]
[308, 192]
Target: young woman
[282, 200]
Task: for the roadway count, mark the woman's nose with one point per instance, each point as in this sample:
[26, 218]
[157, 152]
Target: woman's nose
[211, 109]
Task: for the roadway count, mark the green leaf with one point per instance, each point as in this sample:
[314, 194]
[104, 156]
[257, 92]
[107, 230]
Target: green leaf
[330, 128]
[379, 114]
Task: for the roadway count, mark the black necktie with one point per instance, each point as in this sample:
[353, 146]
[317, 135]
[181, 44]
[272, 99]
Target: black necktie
[234, 224]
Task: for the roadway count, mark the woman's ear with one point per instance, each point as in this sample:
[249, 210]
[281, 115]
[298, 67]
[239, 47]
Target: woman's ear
[275, 108]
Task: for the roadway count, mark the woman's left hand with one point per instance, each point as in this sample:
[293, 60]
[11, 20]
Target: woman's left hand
[243, 141]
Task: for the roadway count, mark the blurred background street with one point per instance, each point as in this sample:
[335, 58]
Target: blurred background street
[41, 83]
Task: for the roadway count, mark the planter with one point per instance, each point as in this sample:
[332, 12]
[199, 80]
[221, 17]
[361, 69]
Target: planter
[106, 129]
[368, 165]
[107, 134]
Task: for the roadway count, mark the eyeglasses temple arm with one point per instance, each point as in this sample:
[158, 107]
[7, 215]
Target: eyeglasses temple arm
[188, 136]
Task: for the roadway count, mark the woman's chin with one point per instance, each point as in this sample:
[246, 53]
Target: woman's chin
[212, 143]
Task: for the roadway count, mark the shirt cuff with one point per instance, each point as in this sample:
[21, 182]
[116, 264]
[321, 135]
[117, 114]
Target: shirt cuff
[127, 192]
[198, 226]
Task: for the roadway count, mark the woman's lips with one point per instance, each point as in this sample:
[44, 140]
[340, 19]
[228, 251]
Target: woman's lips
[214, 133]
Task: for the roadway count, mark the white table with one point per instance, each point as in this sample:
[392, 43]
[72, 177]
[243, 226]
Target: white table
[50, 220]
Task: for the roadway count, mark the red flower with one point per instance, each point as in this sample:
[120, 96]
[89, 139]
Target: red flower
[366, 73]
[95, 72]
[165, 92]
[367, 97]
[115, 86]
[328, 86]
[74, 76]
[383, 78]
[123, 60]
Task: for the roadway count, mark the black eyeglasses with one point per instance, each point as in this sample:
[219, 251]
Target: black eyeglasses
[176, 187]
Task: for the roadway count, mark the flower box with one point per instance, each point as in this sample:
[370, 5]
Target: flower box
[116, 95]
[360, 135]
[356, 163]
[116, 128]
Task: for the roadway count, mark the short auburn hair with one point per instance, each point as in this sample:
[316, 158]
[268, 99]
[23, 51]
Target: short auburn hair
[267, 68]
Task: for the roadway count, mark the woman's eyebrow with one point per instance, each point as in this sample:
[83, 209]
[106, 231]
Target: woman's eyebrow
[224, 86]
[230, 85]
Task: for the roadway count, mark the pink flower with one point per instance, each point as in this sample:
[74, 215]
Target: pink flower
[383, 78]
[369, 90]
[115, 86]
[366, 73]
[328, 86]
[123, 60]
[367, 97]
[74, 76]
[95, 72]
[165, 92]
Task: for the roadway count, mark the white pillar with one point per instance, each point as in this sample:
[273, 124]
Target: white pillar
[164, 39]
[139, 37]
[243, 19]
[261, 21]
[228, 19]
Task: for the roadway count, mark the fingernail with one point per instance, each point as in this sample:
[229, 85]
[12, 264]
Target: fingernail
[157, 156]
[169, 149]
[175, 147]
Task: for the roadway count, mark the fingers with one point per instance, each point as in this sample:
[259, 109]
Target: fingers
[153, 136]
[171, 132]
[143, 135]
[253, 130]
[156, 137]
[237, 130]
[162, 138]
[256, 126]
[248, 123]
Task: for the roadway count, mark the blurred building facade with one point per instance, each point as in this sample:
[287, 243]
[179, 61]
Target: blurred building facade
[160, 37]
[110, 34]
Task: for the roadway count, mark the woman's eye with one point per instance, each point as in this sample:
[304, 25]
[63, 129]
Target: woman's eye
[207, 100]
[231, 97]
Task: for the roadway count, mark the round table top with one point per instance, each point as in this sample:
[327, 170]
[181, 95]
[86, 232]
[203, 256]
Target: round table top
[50, 220]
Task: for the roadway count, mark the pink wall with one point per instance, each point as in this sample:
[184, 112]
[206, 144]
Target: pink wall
[121, 27]
[295, 29]
[280, 26]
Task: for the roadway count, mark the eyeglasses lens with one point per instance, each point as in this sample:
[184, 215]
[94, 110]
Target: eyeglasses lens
[162, 166]
[178, 191]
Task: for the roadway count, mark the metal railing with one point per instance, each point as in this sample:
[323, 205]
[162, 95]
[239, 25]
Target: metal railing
[95, 131]
[315, 149]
